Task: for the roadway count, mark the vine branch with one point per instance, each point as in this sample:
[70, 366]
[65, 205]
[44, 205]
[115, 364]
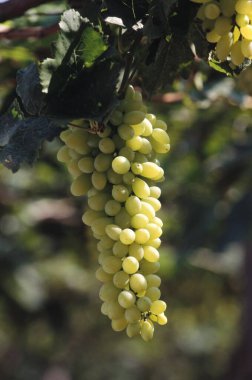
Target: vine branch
[15, 8]
[24, 33]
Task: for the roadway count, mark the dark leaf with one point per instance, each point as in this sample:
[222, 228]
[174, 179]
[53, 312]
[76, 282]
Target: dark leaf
[22, 138]
[90, 95]
[173, 57]
[29, 89]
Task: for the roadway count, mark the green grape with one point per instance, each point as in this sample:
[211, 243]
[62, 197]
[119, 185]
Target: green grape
[63, 154]
[130, 265]
[97, 202]
[147, 331]
[147, 267]
[125, 131]
[242, 20]
[139, 221]
[106, 242]
[119, 324]
[228, 7]
[138, 128]
[114, 178]
[150, 170]
[73, 168]
[93, 141]
[90, 216]
[126, 299]
[155, 203]
[133, 117]
[140, 188]
[158, 307]
[64, 135]
[99, 180]
[128, 178]
[146, 147]
[136, 168]
[153, 293]
[136, 250]
[236, 54]
[113, 231]
[127, 152]
[148, 128]
[153, 280]
[155, 192]
[138, 282]
[142, 235]
[112, 207]
[246, 32]
[86, 164]
[212, 10]
[111, 264]
[77, 141]
[127, 236]
[108, 292]
[223, 25]
[243, 6]
[132, 314]
[104, 308]
[152, 118]
[121, 279]
[120, 249]
[161, 319]
[103, 276]
[107, 145]
[160, 136]
[122, 219]
[151, 254]
[133, 205]
[102, 162]
[105, 132]
[121, 165]
[120, 193]
[135, 143]
[81, 185]
[116, 117]
[144, 304]
[154, 242]
[148, 210]
[133, 329]
[99, 225]
[246, 48]
[212, 36]
[223, 46]
[114, 310]
[154, 230]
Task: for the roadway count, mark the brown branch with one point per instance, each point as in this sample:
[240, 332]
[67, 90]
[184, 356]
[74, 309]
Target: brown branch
[24, 33]
[16, 8]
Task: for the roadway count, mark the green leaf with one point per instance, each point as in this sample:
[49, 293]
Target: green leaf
[92, 46]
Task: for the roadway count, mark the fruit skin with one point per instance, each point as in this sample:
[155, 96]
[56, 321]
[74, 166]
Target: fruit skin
[117, 169]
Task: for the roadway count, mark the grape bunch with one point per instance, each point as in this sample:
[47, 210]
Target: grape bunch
[228, 24]
[117, 168]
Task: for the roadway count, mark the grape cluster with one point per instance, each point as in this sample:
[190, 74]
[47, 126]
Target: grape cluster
[228, 24]
[118, 170]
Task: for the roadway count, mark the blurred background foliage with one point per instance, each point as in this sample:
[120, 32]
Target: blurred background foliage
[51, 327]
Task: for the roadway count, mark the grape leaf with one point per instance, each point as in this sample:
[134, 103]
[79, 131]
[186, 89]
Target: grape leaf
[29, 89]
[21, 138]
[173, 57]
